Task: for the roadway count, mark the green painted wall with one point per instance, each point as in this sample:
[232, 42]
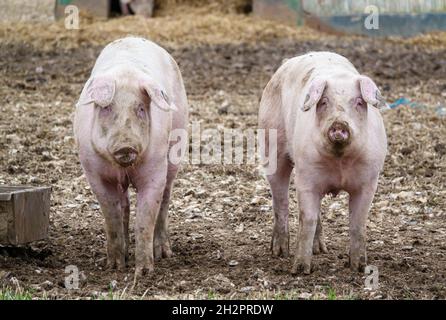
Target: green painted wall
[396, 17]
[342, 7]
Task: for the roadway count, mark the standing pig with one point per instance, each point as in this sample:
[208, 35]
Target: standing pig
[127, 109]
[329, 128]
[139, 7]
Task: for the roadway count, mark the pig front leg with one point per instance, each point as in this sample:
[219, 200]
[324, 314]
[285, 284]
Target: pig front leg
[279, 183]
[125, 209]
[148, 206]
[109, 196]
[309, 206]
[359, 205]
[162, 247]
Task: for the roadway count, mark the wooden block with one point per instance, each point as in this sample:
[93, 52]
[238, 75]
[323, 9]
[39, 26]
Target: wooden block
[24, 214]
[98, 8]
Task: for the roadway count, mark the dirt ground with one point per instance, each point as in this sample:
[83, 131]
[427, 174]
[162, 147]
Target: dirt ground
[221, 216]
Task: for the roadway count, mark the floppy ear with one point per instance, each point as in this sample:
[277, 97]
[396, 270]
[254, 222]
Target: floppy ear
[160, 118]
[370, 93]
[314, 94]
[100, 90]
[158, 97]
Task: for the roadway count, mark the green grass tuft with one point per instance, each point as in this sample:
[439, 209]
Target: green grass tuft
[19, 294]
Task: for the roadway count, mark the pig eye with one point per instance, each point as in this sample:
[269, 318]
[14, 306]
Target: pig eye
[141, 111]
[360, 102]
[323, 103]
[105, 111]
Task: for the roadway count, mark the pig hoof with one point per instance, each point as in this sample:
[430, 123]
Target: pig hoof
[280, 245]
[354, 267]
[161, 247]
[358, 265]
[162, 251]
[141, 271]
[116, 264]
[301, 268]
[319, 246]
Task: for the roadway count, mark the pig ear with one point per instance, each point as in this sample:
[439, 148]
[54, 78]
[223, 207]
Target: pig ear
[157, 95]
[101, 91]
[314, 94]
[160, 117]
[370, 93]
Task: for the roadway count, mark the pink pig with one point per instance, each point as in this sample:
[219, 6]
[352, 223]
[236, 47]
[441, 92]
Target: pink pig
[139, 7]
[329, 128]
[133, 100]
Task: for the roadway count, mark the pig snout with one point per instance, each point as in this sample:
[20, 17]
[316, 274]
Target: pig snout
[125, 156]
[339, 133]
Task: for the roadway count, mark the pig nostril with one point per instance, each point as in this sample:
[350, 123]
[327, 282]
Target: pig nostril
[124, 151]
[126, 156]
[338, 133]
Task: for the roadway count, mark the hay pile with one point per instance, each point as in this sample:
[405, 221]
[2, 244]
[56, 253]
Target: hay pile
[168, 7]
[178, 23]
[191, 27]
[432, 40]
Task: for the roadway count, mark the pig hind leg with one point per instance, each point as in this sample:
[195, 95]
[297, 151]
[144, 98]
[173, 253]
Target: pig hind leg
[319, 245]
[162, 246]
[279, 183]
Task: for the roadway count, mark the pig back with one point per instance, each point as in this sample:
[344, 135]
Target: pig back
[137, 53]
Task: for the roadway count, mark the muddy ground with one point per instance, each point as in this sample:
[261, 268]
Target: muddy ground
[221, 216]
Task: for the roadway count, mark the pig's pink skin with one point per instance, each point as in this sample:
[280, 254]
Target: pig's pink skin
[126, 60]
[303, 144]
